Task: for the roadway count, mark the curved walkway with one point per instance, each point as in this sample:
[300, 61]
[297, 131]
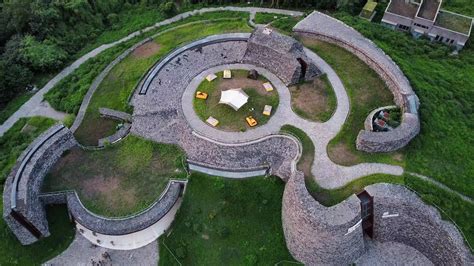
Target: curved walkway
[35, 105]
[271, 127]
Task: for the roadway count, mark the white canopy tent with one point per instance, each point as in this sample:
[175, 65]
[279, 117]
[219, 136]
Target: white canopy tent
[235, 98]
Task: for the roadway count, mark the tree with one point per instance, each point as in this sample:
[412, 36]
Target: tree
[13, 79]
[42, 56]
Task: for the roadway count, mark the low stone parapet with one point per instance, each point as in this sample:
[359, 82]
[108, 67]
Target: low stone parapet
[23, 210]
[126, 225]
[114, 114]
[117, 136]
[387, 141]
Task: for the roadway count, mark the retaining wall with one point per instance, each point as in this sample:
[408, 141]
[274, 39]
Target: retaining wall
[318, 235]
[126, 225]
[400, 216]
[328, 29]
[23, 185]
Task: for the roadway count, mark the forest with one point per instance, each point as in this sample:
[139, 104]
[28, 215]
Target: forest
[40, 37]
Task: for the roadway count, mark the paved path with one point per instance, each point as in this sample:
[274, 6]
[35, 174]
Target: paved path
[35, 105]
[82, 252]
[278, 118]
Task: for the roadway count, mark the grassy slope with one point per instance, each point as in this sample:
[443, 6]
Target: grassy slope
[443, 149]
[114, 91]
[229, 119]
[12, 145]
[234, 222]
[366, 91]
[13, 106]
[134, 171]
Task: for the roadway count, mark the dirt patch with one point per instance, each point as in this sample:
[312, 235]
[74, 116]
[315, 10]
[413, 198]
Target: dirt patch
[310, 98]
[243, 83]
[146, 50]
[342, 155]
[100, 185]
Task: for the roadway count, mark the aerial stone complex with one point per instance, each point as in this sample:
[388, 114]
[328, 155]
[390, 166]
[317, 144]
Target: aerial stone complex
[314, 234]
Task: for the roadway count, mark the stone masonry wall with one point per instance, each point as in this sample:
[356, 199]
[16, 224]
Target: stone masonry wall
[371, 141]
[34, 163]
[325, 28]
[318, 235]
[400, 216]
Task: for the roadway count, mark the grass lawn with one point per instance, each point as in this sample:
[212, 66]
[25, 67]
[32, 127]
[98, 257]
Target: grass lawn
[229, 119]
[366, 91]
[265, 18]
[116, 88]
[13, 106]
[452, 206]
[62, 234]
[443, 149]
[314, 100]
[227, 222]
[17, 138]
[119, 180]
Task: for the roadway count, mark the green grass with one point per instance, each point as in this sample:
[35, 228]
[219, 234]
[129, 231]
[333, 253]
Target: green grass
[119, 84]
[120, 180]
[315, 101]
[13, 106]
[265, 18]
[464, 7]
[454, 22]
[62, 234]
[14, 141]
[229, 119]
[286, 25]
[227, 222]
[443, 149]
[366, 91]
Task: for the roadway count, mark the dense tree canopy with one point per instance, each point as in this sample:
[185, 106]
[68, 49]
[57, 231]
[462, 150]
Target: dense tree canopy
[41, 36]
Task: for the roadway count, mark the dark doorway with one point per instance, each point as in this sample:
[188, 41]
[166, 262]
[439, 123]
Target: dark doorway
[367, 212]
[304, 67]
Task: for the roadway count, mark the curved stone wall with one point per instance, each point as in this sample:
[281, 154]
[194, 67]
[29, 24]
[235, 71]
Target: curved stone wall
[371, 141]
[328, 29]
[400, 216]
[318, 235]
[127, 225]
[22, 207]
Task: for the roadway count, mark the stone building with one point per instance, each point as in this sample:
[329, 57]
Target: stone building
[424, 17]
[282, 55]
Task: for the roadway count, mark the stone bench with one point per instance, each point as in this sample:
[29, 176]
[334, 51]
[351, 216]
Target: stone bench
[116, 115]
[118, 135]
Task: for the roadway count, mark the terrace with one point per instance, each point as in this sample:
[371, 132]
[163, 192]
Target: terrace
[454, 22]
[403, 8]
[429, 9]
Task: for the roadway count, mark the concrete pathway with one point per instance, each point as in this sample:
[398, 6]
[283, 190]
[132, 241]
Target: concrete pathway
[35, 105]
[82, 252]
[278, 118]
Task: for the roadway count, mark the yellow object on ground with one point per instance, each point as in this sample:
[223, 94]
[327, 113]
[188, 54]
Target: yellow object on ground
[201, 95]
[227, 74]
[268, 87]
[211, 77]
[251, 121]
[267, 110]
[212, 121]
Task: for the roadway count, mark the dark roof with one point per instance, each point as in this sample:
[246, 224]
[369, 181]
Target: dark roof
[429, 9]
[403, 8]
